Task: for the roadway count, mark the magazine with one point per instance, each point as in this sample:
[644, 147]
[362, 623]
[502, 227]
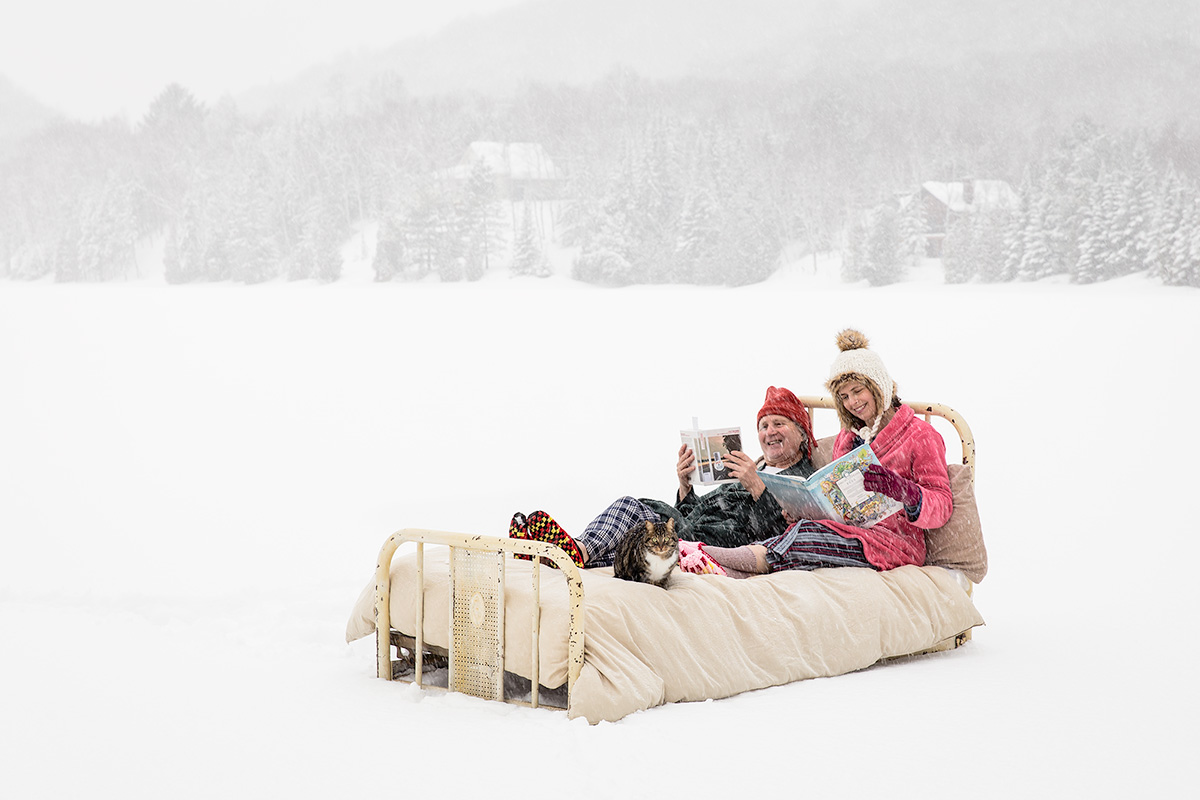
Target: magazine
[711, 448]
[834, 492]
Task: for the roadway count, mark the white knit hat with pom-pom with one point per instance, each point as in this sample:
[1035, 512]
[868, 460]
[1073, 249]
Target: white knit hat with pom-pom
[856, 359]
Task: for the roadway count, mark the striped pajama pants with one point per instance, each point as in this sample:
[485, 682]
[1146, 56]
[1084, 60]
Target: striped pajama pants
[809, 545]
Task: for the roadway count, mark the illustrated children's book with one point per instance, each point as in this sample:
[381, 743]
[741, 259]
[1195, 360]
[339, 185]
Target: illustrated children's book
[711, 448]
[834, 492]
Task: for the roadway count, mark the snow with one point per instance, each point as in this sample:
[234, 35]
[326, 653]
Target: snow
[197, 480]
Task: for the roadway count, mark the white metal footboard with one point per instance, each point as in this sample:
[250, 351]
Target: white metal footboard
[477, 609]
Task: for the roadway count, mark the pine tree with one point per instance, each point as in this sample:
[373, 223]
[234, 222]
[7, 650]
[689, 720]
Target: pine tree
[66, 254]
[583, 210]
[991, 232]
[171, 263]
[1192, 277]
[1037, 249]
[478, 216]
[391, 256]
[1181, 266]
[1014, 232]
[603, 260]
[912, 232]
[748, 249]
[855, 255]
[883, 267]
[171, 144]
[528, 257]
[658, 207]
[245, 230]
[1190, 274]
[1106, 229]
[1012, 247]
[185, 254]
[1139, 194]
[318, 250]
[432, 235]
[1092, 264]
[697, 252]
[107, 232]
[1165, 219]
[958, 249]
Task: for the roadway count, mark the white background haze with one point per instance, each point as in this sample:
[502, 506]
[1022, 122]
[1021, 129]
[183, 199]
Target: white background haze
[96, 60]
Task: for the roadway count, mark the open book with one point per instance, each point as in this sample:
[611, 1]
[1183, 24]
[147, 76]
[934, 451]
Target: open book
[711, 447]
[834, 492]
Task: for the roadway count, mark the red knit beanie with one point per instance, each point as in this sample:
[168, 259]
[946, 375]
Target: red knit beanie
[785, 404]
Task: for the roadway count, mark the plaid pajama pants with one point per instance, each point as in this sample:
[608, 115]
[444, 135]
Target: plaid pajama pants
[601, 535]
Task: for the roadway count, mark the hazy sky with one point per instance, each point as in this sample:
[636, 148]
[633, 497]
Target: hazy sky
[96, 58]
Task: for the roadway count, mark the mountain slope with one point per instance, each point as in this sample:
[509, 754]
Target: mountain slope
[20, 115]
[563, 41]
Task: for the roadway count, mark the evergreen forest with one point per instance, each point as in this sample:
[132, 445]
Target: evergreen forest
[700, 181]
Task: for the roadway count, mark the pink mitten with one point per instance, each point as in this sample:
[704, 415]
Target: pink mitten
[692, 558]
[893, 484]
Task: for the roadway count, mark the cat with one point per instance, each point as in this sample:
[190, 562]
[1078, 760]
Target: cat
[648, 554]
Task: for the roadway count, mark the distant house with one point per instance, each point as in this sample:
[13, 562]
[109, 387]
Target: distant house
[943, 201]
[522, 170]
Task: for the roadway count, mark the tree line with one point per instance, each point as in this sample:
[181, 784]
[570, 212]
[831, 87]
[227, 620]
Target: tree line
[1097, 208]
[686, 181]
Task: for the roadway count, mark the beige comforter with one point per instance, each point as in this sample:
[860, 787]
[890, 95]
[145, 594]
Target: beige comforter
[705, 636]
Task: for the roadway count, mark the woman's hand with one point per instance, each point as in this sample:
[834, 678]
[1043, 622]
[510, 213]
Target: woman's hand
[741, 466]
[885, 481]
[683, 469]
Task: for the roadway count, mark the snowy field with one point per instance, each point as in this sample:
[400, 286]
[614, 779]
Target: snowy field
[196, 481]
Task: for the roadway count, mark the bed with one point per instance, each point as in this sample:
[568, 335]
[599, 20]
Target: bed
[460, 612]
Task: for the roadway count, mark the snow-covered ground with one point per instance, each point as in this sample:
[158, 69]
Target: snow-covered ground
[195, 481]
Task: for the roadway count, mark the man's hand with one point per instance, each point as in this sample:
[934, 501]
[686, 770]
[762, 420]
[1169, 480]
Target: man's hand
[741, 466]
[683, 470]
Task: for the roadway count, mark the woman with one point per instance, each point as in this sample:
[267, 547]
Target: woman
[734, 514]
[913, 471]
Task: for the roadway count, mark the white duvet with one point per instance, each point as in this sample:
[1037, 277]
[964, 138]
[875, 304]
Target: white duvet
[703, 637]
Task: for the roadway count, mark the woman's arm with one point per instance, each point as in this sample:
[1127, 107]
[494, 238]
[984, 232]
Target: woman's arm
[920, 481]
[928, 470]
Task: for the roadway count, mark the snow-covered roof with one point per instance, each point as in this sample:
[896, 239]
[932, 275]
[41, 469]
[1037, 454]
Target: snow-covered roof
[987, 195]
[514, 160]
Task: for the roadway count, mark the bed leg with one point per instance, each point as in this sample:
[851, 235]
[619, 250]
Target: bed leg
[537, 632]
[383, 621]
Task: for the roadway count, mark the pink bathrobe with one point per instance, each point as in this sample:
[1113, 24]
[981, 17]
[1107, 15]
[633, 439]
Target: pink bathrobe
[912, 448]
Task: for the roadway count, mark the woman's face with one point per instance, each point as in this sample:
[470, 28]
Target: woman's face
[858, 400]
[780, 439]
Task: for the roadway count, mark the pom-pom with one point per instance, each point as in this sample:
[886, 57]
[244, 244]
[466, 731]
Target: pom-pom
[851, 339]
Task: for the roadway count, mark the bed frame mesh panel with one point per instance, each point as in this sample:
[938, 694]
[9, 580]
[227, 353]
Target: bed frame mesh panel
[477, 623]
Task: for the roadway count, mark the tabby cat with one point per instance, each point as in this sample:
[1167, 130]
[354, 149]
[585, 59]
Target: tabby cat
[647, 554]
